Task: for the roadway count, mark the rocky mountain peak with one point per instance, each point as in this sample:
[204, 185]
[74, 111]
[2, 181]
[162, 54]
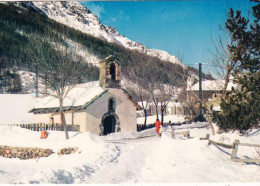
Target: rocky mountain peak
[75, 15]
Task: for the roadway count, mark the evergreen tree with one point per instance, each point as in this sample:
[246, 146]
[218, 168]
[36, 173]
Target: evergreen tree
[241, 110]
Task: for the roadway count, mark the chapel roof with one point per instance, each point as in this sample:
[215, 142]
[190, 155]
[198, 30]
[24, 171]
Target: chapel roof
[79, 98]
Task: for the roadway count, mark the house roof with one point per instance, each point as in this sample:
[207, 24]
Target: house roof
[79, 98]
[212, 85]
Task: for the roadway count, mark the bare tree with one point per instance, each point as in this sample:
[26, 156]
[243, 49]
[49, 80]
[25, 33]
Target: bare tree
[61, 65]
[139, 90]
[153, 90]
[166, 93]
[221, 61]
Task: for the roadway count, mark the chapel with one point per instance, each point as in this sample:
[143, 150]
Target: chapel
[100, 107]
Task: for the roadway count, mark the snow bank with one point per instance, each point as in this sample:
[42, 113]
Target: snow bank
[73, 168]
[194, 161]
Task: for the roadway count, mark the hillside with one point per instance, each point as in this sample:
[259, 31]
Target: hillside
[75, 15]
[19, 22]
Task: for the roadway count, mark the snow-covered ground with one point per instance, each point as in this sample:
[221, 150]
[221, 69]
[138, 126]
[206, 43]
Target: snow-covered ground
[129, 158]
[167, 118]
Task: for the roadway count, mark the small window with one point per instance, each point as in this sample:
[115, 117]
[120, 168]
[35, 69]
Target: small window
[111, 104]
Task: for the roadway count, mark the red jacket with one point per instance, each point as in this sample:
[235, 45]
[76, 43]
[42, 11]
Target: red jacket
[157, 124]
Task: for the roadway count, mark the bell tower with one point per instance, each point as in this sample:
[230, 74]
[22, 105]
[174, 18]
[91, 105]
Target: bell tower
[109, 72]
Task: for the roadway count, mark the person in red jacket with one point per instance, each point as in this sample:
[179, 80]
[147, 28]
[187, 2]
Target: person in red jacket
[157, 124]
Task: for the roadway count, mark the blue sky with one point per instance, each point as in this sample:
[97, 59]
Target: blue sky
[182, 28]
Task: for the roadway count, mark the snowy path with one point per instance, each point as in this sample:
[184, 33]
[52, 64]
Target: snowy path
[141, 160]
[125, 170]
[163, 160]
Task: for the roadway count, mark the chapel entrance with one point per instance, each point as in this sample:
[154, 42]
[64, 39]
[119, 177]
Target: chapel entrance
[109, 124]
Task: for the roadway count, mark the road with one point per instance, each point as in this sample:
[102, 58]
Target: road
[129, 164]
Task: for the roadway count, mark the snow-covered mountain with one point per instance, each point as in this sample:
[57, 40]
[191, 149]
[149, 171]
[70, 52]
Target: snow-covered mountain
[75, 15]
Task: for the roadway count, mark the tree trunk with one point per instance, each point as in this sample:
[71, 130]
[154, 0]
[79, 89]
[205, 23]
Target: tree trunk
[157, 114]
[162, 114]
[62, 119]
[226, 82]
[145, 118]
[210, 124]
[36, 81]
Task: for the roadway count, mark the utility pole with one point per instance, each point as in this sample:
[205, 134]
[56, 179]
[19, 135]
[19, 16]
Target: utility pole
[36, 81]
[200, 91]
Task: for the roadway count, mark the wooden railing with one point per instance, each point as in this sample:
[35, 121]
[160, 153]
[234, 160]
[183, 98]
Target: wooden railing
[234, 146]
[43, 127]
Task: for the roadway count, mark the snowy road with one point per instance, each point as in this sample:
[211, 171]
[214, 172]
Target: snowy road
[127, 166]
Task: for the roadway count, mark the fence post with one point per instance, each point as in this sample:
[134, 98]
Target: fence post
[235, 148]
[41, 125]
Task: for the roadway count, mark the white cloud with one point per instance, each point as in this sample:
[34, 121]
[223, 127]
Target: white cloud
[96, 9]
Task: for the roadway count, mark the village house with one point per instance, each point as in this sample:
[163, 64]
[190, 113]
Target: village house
[211, 89]
[100, 107]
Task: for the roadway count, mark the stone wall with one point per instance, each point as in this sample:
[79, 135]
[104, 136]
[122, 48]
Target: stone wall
[24, 152]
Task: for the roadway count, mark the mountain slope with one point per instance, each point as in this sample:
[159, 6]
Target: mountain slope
[75, 15]
[22, 23]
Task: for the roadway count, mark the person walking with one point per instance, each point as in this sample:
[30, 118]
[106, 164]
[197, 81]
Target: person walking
[157, 124]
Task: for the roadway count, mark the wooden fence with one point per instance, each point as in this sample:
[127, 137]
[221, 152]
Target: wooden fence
[235, 146]
[43, 127]
[142, 127]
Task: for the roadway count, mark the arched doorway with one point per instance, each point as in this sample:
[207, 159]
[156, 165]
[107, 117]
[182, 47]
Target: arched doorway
[109, 124]
[113, 71]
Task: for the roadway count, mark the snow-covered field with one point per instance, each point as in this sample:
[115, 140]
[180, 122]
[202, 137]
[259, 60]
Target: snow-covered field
[129, 158]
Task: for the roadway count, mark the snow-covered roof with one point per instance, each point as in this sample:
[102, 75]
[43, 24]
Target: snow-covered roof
[80, 97]
[209, 85]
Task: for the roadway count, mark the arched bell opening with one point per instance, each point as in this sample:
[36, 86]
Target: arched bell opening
[113, 71]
